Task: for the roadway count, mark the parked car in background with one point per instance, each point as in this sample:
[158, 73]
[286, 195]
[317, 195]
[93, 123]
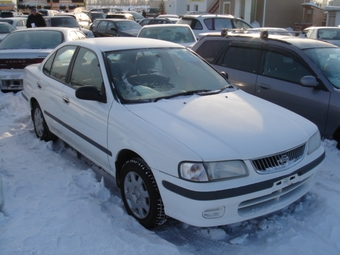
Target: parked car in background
[116, 15]
[47, 12]
[211, 22]
[300, 74]
[179, 138]
[17, 22]
[5, 29]
[115, 27]
[7, 14]
[29, 46]
[66, 20]
[152, 12]
[328, 34]
[136, 15]
[177, 33]
[168, 16]
[95, 15]
[83, 19]
[172, 17]
[153, 21]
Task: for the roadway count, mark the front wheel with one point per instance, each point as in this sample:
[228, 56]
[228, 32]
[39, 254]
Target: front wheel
[40, 127]
[140, 194]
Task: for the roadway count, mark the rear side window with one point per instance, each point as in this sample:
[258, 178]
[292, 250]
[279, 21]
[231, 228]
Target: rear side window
[193, 23]
[210, 49]
[61, 63]
[243, 59]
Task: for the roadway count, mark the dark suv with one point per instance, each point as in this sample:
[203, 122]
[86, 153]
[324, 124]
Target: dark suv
[115, 27]
[300, 74]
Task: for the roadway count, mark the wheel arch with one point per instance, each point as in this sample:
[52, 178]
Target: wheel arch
[123, 156]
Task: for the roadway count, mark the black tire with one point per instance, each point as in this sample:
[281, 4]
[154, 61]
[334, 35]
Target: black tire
[40, 127]
[140, 194]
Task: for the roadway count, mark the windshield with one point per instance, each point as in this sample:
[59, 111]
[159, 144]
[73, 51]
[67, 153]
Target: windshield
[328, 60]
[146, 75]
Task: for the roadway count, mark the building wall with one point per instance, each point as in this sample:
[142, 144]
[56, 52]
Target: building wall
[283, 13]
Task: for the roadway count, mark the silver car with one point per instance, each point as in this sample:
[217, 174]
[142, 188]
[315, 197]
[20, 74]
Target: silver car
[29, 46]
[300, 74]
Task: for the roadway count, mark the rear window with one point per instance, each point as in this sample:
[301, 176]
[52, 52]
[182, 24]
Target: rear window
[64, 22]
[193, 23]
[32, 40]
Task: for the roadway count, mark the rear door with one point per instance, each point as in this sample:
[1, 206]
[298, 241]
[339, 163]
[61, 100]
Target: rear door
[279, 82]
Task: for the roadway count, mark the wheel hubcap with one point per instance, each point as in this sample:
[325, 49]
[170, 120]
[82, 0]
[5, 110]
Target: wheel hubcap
[137, 195]
[38, 122]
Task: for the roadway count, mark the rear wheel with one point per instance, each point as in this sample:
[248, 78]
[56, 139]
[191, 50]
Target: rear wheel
[40, 127]
[140, 194]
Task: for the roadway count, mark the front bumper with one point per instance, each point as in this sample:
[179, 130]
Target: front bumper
[209, 205]
[11, 79]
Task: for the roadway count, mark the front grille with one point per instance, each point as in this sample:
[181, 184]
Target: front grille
[279, 161]
[18, 63]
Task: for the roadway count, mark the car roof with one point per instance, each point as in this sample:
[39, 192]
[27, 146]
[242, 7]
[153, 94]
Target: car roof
[166, 25]
[104, 44]
[208, 16]
[62, 29]
[118, 20]
[299, 42]
[321, 27]
[13, 18]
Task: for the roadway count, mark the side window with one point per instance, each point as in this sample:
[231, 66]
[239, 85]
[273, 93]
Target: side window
[196, 25]
[61, 63]
[282, 67]
[210, 49]
[102, 25]
[209, 23]
[222, 23]
[48, 65]
[86, 70]
[249, 62]
[110, 25]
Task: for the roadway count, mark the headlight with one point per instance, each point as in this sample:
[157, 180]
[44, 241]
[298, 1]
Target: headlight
[203, 172]
[314, 142]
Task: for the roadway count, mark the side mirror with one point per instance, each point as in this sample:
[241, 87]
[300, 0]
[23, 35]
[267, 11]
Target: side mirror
[225, 75]
[309, 81]
[90, 93]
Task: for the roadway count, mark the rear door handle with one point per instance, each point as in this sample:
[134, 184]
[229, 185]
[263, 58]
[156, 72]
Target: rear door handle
[39, 85]
[264, 86]
[66, 99]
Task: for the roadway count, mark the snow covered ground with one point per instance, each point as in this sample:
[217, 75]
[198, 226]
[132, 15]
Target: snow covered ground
[53, 204]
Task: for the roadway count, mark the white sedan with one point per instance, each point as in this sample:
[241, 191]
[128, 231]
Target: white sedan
[180, 140]
[27, 46]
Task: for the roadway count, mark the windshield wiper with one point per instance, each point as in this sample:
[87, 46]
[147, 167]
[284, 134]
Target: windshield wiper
[186, 93]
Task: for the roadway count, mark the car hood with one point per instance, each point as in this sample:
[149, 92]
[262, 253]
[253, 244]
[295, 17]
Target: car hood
[233, 125]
